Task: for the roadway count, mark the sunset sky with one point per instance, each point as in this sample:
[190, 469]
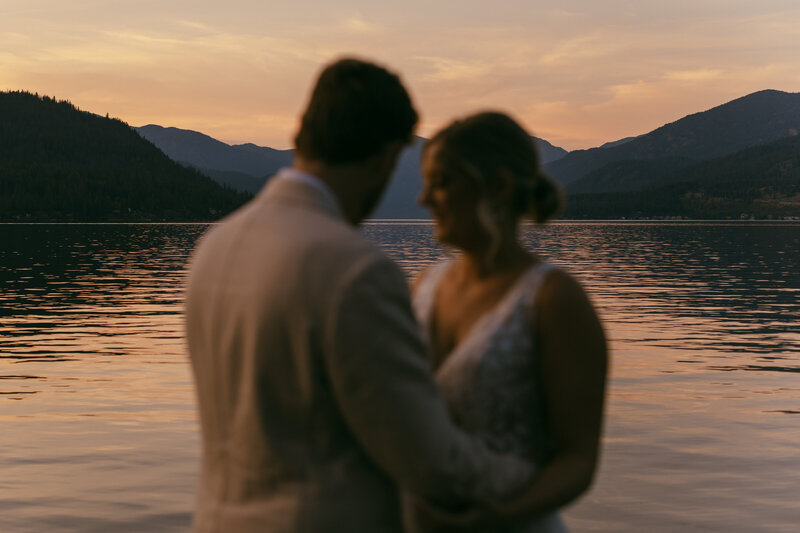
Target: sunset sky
[577, 73]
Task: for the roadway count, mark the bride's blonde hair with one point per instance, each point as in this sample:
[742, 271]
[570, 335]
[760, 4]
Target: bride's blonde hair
[484, 145]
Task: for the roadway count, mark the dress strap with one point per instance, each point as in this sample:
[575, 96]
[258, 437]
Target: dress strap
[425, 291]
[534, 284]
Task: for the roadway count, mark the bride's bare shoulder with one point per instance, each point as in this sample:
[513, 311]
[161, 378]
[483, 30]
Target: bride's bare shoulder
[440, 267]
[559, 287]
[416, 280]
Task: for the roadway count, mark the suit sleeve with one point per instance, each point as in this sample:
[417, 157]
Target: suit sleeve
[382, 381]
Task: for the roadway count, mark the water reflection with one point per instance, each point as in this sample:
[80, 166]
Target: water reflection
[93, 366]
[700, 289]
[702, 319]
[77, 291]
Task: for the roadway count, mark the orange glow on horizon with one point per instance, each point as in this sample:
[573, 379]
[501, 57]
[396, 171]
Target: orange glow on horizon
[577, 77]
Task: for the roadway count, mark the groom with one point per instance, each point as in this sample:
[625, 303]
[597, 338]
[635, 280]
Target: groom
[315, 397]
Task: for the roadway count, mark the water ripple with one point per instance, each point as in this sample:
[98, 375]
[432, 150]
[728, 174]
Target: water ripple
[702, 320]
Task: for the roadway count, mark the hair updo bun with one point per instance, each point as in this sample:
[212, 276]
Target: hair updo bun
[546, 199]
[489, 144]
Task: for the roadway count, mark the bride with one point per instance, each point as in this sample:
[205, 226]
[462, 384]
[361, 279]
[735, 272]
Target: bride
[518, 350]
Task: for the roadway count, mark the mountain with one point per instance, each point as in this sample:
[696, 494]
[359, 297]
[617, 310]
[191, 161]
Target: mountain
[627, 175]
[58, 163]
[239, 181]
[761, 182]
[204, 152]
[547, 152]
[620, 142]
[246, 167]
[754, 119]
[400, 198]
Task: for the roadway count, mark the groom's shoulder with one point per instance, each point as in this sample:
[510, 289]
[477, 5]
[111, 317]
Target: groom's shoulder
[340, 260]
[347, 247]
[316, 245]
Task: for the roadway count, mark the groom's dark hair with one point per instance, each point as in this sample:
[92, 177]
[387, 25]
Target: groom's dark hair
[355, 110]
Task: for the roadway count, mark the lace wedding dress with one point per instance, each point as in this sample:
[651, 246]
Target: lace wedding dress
[490, 379]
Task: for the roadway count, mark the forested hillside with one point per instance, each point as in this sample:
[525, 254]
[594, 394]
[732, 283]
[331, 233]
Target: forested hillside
[210, 155]
[751, 120]
[58, 163]
[758, 182]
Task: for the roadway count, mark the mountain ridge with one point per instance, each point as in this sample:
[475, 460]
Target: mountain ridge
[61, 163]
[760, 181]
[248, 166]
[205, 152]
[756, 118]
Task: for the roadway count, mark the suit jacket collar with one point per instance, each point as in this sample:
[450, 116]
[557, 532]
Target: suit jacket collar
[283, 189]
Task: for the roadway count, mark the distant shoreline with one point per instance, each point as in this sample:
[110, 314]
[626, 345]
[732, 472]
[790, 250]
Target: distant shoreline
[425, 221]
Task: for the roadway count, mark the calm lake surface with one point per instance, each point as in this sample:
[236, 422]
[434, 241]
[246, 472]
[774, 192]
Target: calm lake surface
[99, 432]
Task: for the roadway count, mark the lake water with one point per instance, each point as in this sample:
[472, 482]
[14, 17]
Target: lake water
[99, 431]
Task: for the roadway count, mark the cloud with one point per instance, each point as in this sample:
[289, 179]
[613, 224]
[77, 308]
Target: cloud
[577, 49]
[195, 25]
[358, 25]
[453, 70]
[637, 90]
[695, 75]
[578, 73]
[148, 39]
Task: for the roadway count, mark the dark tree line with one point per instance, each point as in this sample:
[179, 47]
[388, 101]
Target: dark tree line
[58, 163]
[761, 182]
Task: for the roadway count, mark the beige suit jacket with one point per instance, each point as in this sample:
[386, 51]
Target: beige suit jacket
[315, 397]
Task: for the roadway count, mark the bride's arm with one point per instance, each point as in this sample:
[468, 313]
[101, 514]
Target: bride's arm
[573, 363]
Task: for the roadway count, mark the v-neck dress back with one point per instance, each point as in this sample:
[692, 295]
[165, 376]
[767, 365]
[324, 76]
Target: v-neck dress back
[491, 381]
